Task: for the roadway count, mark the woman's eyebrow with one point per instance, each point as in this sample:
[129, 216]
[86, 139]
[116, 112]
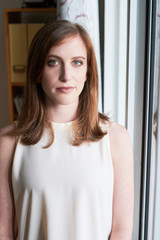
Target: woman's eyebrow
[55, 56]
[79, 57]
[75, 57]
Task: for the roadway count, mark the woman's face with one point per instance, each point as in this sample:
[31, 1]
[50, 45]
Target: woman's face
[65, 72]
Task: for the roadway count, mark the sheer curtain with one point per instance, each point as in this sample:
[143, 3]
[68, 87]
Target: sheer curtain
[115, 59]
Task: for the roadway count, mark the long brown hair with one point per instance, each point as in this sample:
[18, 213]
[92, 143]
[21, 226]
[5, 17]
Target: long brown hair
[33, 121]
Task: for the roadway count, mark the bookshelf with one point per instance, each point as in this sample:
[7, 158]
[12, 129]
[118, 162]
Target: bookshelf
[17, 17]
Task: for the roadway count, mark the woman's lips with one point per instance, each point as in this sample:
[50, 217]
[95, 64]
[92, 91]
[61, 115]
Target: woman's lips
[65, 89]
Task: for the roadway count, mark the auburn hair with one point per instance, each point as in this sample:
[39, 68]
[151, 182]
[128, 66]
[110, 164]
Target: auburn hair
[33, 120]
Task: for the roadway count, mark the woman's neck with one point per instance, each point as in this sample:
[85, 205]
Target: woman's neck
[62, 113]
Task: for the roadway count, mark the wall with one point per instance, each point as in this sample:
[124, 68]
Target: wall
[4, 102]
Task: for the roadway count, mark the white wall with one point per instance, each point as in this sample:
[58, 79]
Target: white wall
[4, 102]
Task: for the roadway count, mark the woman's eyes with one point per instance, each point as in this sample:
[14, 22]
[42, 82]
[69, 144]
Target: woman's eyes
[78, 62]
[53, 62]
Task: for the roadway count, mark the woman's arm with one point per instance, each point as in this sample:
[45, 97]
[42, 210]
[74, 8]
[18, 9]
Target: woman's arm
[123, 195]
[7, 147]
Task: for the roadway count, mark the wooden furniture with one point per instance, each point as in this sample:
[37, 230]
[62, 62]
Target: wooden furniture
[24, 16]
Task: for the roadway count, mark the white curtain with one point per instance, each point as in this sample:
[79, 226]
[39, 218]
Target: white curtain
[115, 60]
[86, 13]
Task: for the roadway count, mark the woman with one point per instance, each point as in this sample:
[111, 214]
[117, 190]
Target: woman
[66, 170]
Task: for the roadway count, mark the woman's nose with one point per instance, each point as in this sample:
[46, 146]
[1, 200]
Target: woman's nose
[65, 73]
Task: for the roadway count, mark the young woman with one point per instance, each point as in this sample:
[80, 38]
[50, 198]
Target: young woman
[66, 170]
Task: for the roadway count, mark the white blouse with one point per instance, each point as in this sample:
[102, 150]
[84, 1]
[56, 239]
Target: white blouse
[63, 192]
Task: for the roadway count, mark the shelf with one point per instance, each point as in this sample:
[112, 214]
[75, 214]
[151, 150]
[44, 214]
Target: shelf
[17, 16]
[18, 84]
[30, 15]
[15, 10]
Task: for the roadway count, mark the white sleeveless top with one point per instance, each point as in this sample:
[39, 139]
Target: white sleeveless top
[63, 192]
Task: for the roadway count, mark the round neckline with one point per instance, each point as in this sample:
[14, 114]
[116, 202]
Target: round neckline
[62, 124]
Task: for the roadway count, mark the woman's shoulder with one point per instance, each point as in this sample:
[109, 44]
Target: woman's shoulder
[113, 128]
[5, 131]
[117, 130]
[7, 141]
[119, 140]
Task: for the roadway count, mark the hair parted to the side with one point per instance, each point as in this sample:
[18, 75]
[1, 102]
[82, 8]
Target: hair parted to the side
[33, 121]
